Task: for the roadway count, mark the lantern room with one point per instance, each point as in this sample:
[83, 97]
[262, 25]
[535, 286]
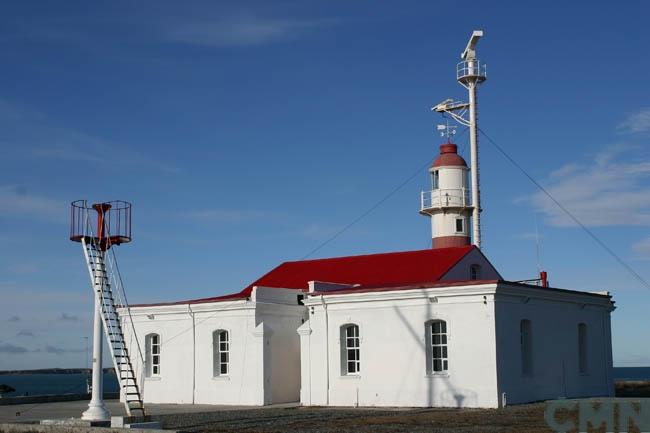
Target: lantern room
[447, 202]
[106, 224]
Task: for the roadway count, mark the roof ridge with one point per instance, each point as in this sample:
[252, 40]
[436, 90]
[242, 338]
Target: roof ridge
[468, 247]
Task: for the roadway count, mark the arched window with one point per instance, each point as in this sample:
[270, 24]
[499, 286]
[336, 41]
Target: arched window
[350, 349]
[475, 272]
[436, 338]
[152, 359]
[526, 342]
[582, 348]
[220, 352]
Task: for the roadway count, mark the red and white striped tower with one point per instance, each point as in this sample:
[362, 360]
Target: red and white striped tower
[448, 203]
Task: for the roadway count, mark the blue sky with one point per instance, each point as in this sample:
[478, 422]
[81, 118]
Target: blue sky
[247, 133]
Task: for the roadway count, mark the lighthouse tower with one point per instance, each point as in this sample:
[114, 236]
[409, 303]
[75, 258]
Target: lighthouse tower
[447, 202]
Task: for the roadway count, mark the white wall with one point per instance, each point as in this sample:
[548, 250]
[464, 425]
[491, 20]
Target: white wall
[554, 320]
[282, 317]
[264, 350]
[186, 372]
[484, 347]
[393, 357]
[245, 382]
[272, 363]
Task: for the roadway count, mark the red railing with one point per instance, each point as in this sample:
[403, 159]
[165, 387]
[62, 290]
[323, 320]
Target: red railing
[109, 222]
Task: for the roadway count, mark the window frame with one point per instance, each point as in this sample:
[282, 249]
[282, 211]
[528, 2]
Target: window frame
[526, 347]
[475, 272]
[153, 351]
[462, 225]
[435, 180]
[437, 350]
[583, 348]
[350, 349]
[221, 347]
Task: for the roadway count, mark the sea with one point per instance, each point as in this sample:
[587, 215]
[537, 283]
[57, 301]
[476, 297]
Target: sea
[60, 383]
[631, 373]
[75, 383]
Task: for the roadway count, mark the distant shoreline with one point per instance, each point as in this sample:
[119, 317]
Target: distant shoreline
[53, 371]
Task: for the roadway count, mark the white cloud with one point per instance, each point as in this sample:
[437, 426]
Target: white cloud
[16, 201]
[68, 318]
[54, 350]
[604, 192]
[528, 236]
[21, 128]
[241, 30]
[59, 350]
[25, 333]
[318, 231]
[642, 248]
[12, 349]
[636, 122]
[70, 145]
[23, 268]
[631, 360]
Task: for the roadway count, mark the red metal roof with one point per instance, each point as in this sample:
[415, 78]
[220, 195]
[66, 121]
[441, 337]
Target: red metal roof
[405, 268]
[449, 156]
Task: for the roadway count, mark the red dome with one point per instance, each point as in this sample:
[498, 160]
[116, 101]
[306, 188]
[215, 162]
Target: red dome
[449, 156]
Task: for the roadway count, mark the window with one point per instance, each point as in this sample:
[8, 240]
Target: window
[475, 272]
[152, 349]
[350, 362]
[582, 348]
[460, 225]
[435, 179]
[437, 359]
[220, 353]
[526, 342]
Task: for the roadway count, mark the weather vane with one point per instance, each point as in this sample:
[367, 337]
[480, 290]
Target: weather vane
[447, 130]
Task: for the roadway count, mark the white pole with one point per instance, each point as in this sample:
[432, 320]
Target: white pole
[473, 137]
[96, 409]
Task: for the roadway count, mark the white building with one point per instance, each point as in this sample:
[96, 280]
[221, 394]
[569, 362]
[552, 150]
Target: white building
[437, 327]
[464, 344]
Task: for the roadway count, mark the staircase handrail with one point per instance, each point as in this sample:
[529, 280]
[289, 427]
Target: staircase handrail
[125, 304]
[111, 260]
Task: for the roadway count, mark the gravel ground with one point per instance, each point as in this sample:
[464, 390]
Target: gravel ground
[515, 419]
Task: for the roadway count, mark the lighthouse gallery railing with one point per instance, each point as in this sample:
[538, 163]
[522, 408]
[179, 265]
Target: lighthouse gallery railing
[444, 197]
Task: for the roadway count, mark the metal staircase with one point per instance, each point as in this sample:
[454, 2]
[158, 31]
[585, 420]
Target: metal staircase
[116, 317]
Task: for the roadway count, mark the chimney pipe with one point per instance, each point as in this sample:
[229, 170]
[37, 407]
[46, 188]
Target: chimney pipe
[544, 277]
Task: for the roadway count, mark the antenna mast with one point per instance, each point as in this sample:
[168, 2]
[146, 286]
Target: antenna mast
[470, 72]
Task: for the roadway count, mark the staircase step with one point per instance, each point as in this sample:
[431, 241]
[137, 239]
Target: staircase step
[103, 277]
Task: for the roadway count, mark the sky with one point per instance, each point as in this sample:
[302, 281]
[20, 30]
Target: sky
[249, 133]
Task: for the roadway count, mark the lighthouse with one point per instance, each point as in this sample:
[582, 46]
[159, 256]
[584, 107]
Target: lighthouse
[447, 202]
[470, 73]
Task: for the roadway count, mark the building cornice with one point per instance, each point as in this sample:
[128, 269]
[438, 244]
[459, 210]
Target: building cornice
[404, 294]
[522, 292]
[240, 304]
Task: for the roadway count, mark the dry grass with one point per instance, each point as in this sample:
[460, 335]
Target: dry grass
[633, 388]
[515, 419]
